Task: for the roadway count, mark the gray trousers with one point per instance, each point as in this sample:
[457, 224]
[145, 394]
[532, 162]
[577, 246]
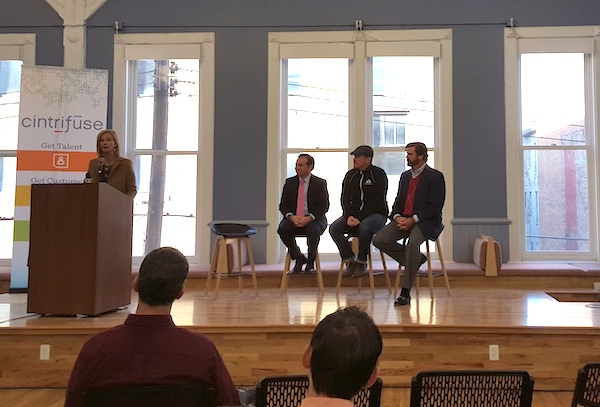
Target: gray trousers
[408, 255]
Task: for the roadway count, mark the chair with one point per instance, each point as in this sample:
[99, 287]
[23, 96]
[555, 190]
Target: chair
[430, 274]
[288, 391]
[471, 388]
[286, 270]
[354, 240]
[218, 264]
[188, 395]
[587, 386]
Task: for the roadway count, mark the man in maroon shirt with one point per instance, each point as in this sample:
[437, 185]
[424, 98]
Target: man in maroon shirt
[342, 358]
[148, 349]
[416, 215]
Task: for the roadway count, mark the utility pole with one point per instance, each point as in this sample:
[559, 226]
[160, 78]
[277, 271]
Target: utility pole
[159, 161]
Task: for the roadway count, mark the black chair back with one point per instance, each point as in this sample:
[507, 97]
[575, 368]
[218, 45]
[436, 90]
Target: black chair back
[472, 388]
[587, 386]
[187, 395]
[289, 391]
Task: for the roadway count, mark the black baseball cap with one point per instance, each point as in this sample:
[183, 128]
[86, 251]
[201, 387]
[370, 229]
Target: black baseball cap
[365, 151]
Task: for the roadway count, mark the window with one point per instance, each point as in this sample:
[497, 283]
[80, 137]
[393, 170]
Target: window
[163, 110]
[10, 81]
[15, 50]
[552, 189]
[389, 128]
[403, 104]
[332, 91]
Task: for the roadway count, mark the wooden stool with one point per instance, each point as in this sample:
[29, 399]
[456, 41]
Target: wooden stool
[218, 264]
[355, 246]
[286, 269]
[429, 272]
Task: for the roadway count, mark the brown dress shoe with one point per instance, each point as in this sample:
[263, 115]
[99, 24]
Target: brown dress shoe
[349, 269]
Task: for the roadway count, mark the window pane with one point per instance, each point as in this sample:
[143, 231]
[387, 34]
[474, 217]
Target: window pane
[552, 99]
[177, 225]
[403, 100]
[8, 176]
[10, 95]
[332, 167]
[167, 96]
[556, 200]
[317, 103]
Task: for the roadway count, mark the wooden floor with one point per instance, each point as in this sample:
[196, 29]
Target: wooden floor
[549, 327]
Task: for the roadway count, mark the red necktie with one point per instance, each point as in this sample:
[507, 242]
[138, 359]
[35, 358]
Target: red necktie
[300, 202]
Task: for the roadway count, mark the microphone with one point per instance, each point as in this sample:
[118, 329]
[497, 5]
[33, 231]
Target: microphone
[101, 169]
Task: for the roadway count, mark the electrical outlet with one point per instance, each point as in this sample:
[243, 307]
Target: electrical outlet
[44, 352]
[494, 352]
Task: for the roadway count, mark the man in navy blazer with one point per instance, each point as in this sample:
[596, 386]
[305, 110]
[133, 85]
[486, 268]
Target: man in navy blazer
[303, 212]
[416, 214]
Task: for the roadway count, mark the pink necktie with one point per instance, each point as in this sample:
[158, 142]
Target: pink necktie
[300, 202]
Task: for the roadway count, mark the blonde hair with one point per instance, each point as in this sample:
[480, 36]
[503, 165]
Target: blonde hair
[114, 135]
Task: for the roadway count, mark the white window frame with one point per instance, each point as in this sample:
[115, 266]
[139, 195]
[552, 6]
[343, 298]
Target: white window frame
[16, 47]
[548, 39]
[358, 46]
[173, 45]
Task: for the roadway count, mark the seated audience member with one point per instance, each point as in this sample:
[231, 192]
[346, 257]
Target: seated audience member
[148, 348]
[342, 358]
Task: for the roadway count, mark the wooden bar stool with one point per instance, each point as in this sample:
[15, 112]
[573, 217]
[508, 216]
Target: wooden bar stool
[218, 264]
[430, 274]
[286, 269]
[354, 240]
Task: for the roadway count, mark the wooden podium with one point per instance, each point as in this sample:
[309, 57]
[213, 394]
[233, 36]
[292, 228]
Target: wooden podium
[80, 249]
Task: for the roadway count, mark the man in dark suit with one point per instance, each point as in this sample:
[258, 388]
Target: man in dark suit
[416, 215]
[304, 202]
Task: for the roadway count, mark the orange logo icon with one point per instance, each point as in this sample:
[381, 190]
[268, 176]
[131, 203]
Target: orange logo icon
[61, 161]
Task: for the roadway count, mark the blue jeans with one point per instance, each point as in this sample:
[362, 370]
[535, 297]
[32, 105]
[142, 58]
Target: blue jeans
[340, 232]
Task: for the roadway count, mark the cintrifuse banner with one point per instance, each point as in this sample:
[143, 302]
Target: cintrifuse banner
[61, 112]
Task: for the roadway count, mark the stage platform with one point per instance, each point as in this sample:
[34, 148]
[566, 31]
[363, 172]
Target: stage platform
[547, 325]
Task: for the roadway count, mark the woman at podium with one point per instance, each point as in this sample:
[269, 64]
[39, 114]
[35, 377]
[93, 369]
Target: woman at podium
[110, 167]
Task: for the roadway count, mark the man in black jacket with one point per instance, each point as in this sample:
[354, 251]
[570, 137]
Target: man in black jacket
[416, 215]
[364, 207]
[304, 202]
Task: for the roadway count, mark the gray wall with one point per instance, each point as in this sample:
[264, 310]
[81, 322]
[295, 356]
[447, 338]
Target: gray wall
[241, 28]
[35, 16]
